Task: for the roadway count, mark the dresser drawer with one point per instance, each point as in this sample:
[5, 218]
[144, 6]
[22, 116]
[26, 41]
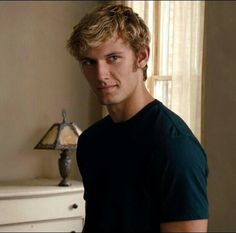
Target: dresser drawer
[42, 208]
[60, 225]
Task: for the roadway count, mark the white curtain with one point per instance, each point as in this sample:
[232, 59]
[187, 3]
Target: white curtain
[184, 53]
[187, 62]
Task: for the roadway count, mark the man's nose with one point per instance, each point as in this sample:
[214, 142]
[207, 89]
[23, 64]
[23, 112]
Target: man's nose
[102, 71]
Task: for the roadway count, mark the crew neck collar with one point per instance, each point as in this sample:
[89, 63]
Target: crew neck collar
[135, 117]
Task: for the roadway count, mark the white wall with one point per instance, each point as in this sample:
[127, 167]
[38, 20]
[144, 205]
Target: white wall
[38, 77]
[220, 112]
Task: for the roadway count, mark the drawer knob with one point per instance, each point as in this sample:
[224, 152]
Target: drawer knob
[75, 206]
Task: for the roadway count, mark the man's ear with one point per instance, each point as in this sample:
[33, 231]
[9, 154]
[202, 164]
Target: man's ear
[143, 56]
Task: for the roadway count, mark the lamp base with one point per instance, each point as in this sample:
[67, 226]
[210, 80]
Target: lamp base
[64, 163]
[64, 182]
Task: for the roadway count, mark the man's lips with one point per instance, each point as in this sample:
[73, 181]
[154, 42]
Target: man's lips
[106, 88]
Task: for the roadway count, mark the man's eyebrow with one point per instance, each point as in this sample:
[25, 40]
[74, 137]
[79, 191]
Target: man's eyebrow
[85, 58]
[113, 53]
[107, 55]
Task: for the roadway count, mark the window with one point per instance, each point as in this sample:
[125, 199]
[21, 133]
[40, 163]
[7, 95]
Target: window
[174, 73]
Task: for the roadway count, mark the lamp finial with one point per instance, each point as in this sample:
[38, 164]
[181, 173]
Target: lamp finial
[64, 115]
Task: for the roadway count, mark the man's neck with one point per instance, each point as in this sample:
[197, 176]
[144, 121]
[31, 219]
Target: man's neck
[124, 111]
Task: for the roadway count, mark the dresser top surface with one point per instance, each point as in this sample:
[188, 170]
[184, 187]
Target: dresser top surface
[36, 187]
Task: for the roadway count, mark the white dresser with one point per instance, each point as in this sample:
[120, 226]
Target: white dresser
[39, 205]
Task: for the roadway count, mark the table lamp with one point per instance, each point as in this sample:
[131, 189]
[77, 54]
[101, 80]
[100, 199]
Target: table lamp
[64, 137]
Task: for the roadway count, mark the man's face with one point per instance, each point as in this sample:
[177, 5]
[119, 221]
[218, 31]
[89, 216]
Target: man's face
[109, 69]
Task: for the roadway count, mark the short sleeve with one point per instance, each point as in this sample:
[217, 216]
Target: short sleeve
[182, 180]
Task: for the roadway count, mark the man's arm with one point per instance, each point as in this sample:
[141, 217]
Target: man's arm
[185, 226]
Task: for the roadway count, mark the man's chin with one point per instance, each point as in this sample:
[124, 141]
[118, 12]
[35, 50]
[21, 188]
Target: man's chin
[106, 102]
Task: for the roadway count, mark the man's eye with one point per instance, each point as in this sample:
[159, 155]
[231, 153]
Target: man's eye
[113, 58]
[87, 62]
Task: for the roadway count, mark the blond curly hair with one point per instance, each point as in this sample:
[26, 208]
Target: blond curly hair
[102, 23]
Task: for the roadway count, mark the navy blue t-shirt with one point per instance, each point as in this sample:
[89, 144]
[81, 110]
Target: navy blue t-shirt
[142, 172]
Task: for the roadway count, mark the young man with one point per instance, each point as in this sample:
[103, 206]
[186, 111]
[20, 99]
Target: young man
[142, 168]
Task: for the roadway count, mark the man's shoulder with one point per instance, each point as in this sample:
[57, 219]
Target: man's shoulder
[169, 124]
[171, 131]
[96, 128]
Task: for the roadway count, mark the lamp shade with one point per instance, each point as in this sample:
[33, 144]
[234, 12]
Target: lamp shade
[60, 136]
